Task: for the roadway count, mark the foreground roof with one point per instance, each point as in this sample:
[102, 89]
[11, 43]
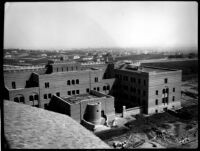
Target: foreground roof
[34, 128]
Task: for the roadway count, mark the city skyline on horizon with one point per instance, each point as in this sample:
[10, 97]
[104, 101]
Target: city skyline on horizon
[76, 25]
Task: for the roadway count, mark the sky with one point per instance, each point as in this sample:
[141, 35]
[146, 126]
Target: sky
[66, 25]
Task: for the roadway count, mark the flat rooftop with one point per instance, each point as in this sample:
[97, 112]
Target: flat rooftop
[148, 69]
[79, 98]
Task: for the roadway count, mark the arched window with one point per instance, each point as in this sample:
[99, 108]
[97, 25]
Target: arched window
[73, 81]
[104, 88]
[77, 81]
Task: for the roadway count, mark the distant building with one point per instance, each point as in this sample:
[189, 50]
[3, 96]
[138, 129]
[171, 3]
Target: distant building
[44, 55]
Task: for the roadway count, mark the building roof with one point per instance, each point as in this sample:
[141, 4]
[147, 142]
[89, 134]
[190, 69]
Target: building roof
[79, 98]
[146, 69]
[29, 127]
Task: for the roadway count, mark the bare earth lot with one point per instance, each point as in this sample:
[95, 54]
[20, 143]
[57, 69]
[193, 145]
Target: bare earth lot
[165, 130]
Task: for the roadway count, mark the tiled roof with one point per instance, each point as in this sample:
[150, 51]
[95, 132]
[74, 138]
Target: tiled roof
[34, 128]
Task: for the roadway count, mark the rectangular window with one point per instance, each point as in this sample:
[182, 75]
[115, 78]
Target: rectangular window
[57, 69]
[73, 92]
[36, 97]
[68, 82]
[77, 81]
[13, 85]
[58, 93]
[16, 99]
[46, 84]
[49, 95]
[21, 99]
[98, 89]
[173, 98]
[94, 88]
[73, 82]
[156, 111]
[62, 69]
[173, 89]
[77, 91]
[156, 92]
[30, 98]
[96, 79]
[156, 102]
[69, 92]
[87, 90]
[45, 96]
[165, 80]
[108, 87]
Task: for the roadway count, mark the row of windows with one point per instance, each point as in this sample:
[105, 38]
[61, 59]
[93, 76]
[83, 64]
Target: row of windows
[164, 100]
[73, 92]
[67, 68]
[132, 79]
[73, 82]
[165, 91]
[132, 89]
[33, 97]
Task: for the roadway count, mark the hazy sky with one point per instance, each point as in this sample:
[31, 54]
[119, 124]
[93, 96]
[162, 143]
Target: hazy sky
[63, 25]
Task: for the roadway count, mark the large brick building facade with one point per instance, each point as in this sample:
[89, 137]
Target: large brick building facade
[37, 86]
[155, 89]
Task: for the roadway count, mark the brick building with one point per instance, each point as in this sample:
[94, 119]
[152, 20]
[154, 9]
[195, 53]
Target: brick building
[36, 86]
[89, 106]
[154, 89]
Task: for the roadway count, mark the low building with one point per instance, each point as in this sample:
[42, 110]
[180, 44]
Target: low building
[90, 107]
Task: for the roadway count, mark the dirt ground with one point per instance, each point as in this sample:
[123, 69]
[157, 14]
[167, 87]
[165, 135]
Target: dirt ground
[165, 130]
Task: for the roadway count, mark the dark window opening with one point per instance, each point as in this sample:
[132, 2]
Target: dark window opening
[62, 69]
[156, 102]
[94, 88]
[68, 82]
[36, 97]
[58, 93]
[96, 79]
[77, 81]
[46, 84]
[73, 92]
[45, 96]
[156, 111]
[49, 95]
[104, 88]
[21, 99]
[108, 87]
[98, 88]
[30, 98]
[87, 90]
[156, 92]
[173, 89]
[69, 92]
[73, 82]
[165, 80]
[57, 69]
[16, 99]
[77, 91]
[13, 85]
[173, 98]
